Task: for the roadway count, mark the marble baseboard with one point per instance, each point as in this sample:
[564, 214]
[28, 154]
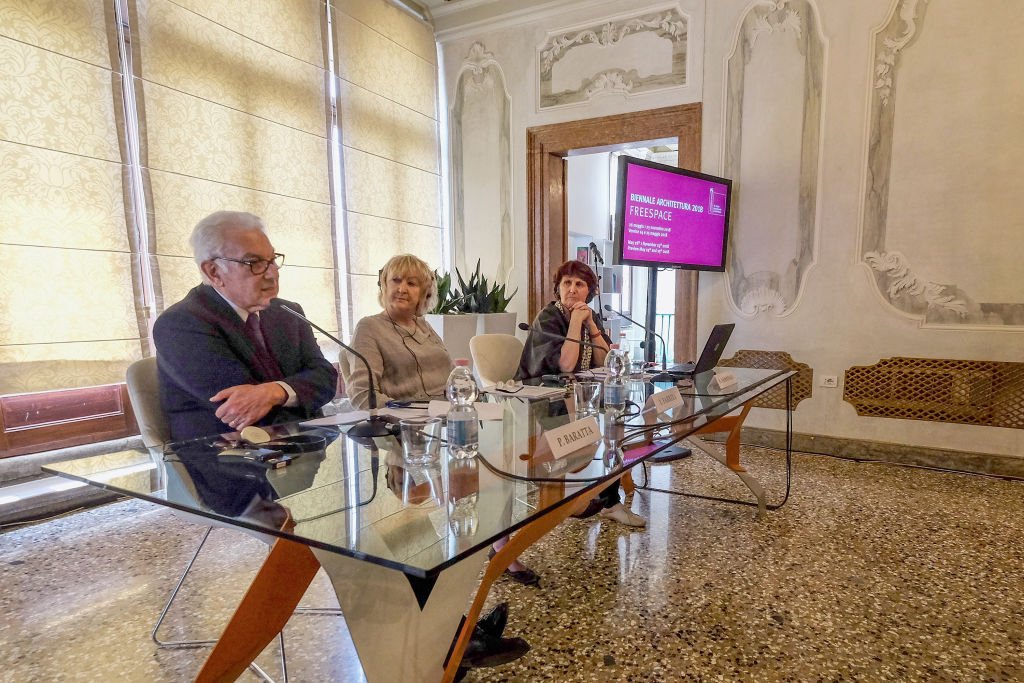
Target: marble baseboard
[901, 454]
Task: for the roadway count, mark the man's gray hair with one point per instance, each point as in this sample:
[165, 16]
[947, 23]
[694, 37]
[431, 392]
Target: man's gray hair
[207, 238]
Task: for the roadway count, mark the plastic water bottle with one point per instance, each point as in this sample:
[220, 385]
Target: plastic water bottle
[463, 421]
[617, 362]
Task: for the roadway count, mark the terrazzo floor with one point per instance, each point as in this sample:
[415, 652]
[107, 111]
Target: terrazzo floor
[870, 572]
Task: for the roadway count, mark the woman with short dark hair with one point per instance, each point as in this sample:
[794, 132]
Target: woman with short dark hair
[546, 353]
[569, 315]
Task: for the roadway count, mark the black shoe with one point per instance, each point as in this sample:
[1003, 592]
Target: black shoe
[493, 624]
[491, 651]
[526, 576]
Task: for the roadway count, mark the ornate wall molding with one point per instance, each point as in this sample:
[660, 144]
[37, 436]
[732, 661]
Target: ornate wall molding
[756, 289]
[481, 169]
[933, 303]
[563, 82]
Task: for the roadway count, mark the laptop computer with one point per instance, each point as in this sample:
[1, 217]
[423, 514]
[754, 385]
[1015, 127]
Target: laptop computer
[711, 354]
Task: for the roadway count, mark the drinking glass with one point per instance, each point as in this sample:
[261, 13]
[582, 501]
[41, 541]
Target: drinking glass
[636, 370]
[423, 486]
[587, 394]
[421, 439]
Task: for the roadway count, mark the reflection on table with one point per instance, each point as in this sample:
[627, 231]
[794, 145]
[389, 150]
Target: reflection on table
[403, 545]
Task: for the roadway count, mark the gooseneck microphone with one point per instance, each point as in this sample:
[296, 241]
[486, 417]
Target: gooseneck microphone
[598, 261]
[375, 425]
[664, 375]
[526, 328]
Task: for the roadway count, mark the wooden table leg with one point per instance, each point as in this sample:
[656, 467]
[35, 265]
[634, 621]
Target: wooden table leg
[733, 424]
[517, 543]
[627, 482]
[275, 592]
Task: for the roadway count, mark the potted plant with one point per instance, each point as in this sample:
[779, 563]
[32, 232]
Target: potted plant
[473, 307]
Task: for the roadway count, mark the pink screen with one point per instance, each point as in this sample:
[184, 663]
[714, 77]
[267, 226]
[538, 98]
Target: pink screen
[672, 218]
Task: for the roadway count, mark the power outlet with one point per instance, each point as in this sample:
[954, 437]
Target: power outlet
[830, 381]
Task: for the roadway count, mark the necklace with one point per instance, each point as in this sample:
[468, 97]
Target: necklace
[404, 331]
[586, 350]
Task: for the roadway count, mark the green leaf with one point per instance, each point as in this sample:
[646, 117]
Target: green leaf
[477, 295]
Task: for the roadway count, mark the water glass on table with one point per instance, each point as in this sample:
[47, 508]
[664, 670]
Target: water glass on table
[587, 395]
[636, 370]
[421, 439]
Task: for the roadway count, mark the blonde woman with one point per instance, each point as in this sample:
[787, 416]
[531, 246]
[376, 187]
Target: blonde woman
[407, 358]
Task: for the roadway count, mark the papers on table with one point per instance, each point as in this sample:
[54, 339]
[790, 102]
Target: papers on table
[353, 416]
[486, 411]
[527, 391]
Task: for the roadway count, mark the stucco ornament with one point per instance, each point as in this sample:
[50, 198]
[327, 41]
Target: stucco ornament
[610, 34]
[887, 57]
[763, 300]
[628, 56]
[903, 283]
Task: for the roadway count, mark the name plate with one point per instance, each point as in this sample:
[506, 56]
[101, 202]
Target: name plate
[724, 378]
[667, 399]
[573, 436]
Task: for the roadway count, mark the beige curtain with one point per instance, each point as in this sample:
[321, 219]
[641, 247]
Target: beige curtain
[68, 310]
[232, 111]
[385, 61]
[233, 115]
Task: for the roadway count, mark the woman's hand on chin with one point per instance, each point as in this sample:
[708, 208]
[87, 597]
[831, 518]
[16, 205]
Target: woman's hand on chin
[580, 311]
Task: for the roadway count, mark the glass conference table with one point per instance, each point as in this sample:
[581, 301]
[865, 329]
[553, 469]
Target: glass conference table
[403, 546]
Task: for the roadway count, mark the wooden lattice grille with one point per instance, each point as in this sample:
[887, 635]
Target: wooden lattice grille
[803, 382]
[939, 390]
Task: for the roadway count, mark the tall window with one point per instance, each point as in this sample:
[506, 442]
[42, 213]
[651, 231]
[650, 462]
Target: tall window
[68, 315]
[123, 122]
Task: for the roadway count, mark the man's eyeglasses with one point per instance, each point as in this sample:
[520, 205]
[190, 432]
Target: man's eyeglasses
[258, 266]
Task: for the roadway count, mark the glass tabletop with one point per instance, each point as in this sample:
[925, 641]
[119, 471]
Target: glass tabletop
[639, 434]
[362, 500]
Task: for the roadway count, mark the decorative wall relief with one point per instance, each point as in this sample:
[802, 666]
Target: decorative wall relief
[481, 166]
[628, 55]
[941, 230]
[773, 112]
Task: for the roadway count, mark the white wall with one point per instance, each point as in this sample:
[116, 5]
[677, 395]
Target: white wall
[587, 196]
[835, 310]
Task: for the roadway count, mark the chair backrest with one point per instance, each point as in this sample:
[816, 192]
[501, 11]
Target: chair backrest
[144, 394]
[495, 357]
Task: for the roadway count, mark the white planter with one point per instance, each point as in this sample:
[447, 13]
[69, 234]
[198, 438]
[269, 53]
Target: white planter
[455, 331]
[496, 323]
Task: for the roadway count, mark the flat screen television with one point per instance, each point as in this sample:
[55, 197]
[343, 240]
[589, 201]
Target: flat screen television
[669, 217]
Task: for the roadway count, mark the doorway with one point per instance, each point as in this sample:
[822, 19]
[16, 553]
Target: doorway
[547, 147]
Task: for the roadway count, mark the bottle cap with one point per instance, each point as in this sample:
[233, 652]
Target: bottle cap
[461, 362]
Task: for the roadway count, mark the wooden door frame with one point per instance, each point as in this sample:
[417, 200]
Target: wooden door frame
[548, 236]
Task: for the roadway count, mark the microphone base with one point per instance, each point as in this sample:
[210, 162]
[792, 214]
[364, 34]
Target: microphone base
[373, 427]
[664, 377]
[670, 455]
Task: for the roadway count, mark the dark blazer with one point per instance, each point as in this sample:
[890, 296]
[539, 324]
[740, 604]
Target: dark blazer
[201, 348]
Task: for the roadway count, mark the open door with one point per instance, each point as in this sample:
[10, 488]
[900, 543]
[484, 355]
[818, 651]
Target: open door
[546, 202]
